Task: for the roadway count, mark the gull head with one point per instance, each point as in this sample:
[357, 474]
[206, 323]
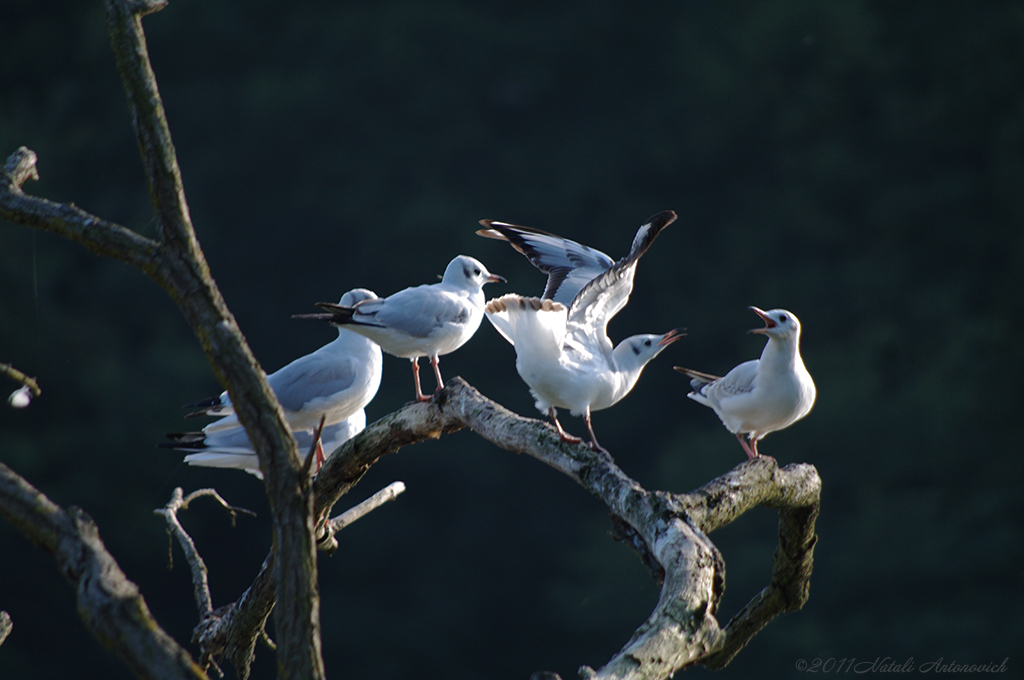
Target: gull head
[778, 323]
[637, 350]
[467, 272]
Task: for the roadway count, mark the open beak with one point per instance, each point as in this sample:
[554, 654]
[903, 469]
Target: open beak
[495, 278]
[769, 323]
[671, 336]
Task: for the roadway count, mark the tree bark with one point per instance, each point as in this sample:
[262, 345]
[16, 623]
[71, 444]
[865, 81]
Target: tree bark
[109, 604]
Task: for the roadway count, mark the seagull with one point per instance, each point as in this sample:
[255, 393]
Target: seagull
[422, 321]
[334, 382]
[231, 449]
[762, 395]
[562, 348]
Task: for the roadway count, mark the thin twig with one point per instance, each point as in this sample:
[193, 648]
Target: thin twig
[21, 397]
[179, 501]
[326, 540]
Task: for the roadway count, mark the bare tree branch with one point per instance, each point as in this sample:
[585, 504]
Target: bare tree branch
[16, 375]
[235, 628]
[668, 530]
[389, 493]
[6, 625]
[204, 602]
[109, 604]
[177, 263]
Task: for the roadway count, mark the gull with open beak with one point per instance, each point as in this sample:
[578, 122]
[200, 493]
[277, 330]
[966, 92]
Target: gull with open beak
[762, 395]
[561, 340]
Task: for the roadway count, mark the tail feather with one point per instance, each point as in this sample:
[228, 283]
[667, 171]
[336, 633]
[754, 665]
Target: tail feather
[698, 379]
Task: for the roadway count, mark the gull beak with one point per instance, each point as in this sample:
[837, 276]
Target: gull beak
[769, 323]
[495, 278]
[671, 336]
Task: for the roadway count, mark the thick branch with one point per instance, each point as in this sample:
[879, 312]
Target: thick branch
[177, 264]
[109, 604]
[669, 529]
[186, 275]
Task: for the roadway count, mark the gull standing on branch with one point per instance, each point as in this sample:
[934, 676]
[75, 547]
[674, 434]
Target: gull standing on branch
[334, 382]
[762, 395]
[423, 321]
[562, 348]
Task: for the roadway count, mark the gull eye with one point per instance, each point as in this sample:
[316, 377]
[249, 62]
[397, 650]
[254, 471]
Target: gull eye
[647, 343]
[477, 272]
[783, 318]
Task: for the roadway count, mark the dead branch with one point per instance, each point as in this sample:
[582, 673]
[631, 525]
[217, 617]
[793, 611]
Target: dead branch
[669, 530]
[176, 262]
[389, 493]
[6, 625]
[29, 386]
[109, 604]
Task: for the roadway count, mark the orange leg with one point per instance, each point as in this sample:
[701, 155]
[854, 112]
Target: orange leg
[437, 372]
[416, 379]
[593, 438]
[566, 437]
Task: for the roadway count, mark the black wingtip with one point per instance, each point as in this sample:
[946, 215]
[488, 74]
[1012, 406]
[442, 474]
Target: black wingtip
[649, 231]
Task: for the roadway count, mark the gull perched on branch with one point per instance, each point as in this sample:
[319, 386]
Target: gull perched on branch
[762, 395]
[562, 348]
[232, 449]
[334, 382]
[423, 321]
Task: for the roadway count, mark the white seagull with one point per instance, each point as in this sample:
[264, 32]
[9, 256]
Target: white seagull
[334, 382]
[562, 348]
[422, 321]
[762, 395]
[231, 448]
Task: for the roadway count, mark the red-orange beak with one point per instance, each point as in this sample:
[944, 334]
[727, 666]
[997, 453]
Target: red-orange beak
[672, 336]
[769, 323]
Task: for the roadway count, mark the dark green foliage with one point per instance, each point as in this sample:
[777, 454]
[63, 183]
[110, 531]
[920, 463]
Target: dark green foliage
[860, 163]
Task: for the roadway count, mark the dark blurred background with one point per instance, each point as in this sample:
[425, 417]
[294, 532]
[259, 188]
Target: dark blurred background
[858, 162]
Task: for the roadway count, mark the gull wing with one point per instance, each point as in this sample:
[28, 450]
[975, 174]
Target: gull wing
[570, 266]
[604, 296]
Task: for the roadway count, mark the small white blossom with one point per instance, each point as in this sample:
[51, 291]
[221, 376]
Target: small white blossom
[20, 398]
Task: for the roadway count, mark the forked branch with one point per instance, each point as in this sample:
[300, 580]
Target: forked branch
[668, 530]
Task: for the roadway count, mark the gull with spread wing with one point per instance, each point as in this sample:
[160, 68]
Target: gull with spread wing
[761, 395]
[561, 341]
[422, 321]
[334, 382]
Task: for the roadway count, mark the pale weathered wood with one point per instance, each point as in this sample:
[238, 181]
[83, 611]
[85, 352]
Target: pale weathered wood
[6, 626]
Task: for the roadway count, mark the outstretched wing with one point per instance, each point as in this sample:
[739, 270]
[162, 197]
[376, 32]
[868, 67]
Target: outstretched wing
[569, 265]
[604, 296]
